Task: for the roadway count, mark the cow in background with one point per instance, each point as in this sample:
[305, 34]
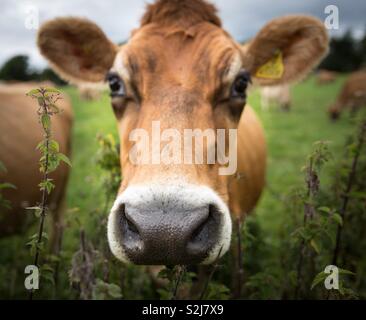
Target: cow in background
[276, 95]
[325, 76]
[352, 95]
[90, 92]
[20, 133]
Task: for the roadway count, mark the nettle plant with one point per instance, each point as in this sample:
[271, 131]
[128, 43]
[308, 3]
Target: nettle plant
[50, 159]
[349, 193]
[331, 230]
[313, 240]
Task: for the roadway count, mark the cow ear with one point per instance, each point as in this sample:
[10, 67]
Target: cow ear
[77, 49]
[286, 49]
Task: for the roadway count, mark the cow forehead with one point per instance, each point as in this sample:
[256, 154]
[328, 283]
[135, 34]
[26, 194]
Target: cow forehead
[204, 52]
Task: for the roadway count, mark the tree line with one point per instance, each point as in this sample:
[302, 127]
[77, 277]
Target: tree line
[17, 68]
[346, 54]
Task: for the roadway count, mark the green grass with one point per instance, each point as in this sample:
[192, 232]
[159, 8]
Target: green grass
[91, 117]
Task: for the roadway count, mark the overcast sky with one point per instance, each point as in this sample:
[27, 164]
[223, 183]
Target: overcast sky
[242, 18]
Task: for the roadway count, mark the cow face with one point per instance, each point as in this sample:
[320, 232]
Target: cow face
[180, 74]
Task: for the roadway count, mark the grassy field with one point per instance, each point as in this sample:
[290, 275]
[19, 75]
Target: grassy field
[290, 138]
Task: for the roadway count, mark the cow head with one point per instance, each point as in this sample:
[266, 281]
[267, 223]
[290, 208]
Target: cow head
[334, 112]
[179, 72]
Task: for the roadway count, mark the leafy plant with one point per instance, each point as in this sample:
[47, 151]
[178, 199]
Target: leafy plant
[49, 161]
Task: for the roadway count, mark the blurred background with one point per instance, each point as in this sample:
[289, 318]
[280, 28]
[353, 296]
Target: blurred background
[277, 245]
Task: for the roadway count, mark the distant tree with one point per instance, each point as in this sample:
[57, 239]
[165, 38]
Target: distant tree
[48, 74]
[16, 68]
[344, 54]
[363, 49]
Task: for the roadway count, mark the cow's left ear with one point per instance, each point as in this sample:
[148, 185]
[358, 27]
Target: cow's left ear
[286, 49]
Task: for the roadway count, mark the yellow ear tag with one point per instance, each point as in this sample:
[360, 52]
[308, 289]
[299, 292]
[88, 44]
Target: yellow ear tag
[272, 69]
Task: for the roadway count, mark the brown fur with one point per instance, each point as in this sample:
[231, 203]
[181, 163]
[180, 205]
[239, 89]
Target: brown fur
[352, 95]
[177, 62]
[183, 13]
[20, 133]
[72, 37]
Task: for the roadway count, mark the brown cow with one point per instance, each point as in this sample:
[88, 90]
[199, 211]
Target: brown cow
[181, 72]
[352, 95]
[278, 95]
[89, 93]
[20, 132]
[325, 76]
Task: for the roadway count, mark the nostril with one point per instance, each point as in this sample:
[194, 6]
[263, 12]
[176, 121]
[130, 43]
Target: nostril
[202, 237]
[130, 232]
[198, 233]
[130, 225]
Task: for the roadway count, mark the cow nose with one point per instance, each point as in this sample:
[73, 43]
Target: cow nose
[167, 235]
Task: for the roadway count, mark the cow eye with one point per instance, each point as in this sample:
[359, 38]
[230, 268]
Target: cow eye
[240, 85]
[116, 85]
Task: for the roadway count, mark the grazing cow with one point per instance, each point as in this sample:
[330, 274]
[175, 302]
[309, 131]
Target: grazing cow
[352, 95]
[89, 93]
[179, 72]
[325, 76]
[20, 133]
[279, 95]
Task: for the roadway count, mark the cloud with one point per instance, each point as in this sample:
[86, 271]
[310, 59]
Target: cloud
[242, 18]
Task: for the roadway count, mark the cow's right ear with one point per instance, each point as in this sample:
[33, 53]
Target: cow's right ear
[77, 49]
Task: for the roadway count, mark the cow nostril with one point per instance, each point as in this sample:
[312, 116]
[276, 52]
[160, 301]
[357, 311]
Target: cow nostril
[201, 236]
[130, 225]
[198, 233]
[129, 229]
